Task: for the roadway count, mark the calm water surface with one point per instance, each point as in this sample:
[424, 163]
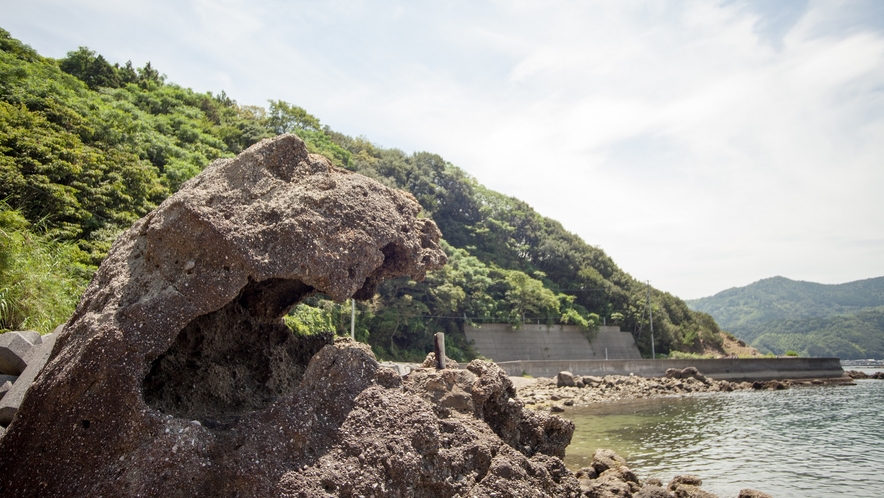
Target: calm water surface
[801, 442]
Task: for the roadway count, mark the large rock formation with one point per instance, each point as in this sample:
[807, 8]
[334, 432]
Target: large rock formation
[177, 377]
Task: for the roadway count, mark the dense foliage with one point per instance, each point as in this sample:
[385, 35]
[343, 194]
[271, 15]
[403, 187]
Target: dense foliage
[778, 315]
[40, 279]
[87, 147]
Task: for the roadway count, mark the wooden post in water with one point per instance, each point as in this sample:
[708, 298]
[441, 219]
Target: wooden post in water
[439, 344]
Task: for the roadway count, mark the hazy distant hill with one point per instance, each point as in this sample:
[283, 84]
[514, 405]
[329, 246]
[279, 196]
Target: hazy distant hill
[778, 314]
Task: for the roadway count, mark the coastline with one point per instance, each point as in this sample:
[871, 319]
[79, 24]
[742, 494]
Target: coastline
[724, 438]
[568, 390]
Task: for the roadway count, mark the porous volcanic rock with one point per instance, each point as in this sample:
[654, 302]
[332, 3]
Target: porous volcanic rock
[177, 377]
[441, 433]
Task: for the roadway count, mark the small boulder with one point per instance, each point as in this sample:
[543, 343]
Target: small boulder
[622, 473]
[752, 493]
[689, 372]
[586, 473]
[604, 459]
[687, 491]
[430, 362]
[592, 381]
[692, 373]
[566, 379]
[652, 492]
[689, 479]
[607, 487]
[672, 373]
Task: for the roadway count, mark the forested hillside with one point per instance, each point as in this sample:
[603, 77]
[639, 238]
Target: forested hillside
[87, 147]
[777, 315]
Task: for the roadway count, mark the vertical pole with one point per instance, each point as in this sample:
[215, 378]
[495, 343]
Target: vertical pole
[439, 346]
[352, 319]
[651, 317]
[606, 354]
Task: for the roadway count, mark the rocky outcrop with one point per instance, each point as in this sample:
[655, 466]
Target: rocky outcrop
[751, 493]
[608, 476]
[484, 391]
[176, 376]
[449, 432]
[684, 373]
[856, 374]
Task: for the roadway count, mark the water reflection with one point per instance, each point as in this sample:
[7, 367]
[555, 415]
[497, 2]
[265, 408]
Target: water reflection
[804, 442]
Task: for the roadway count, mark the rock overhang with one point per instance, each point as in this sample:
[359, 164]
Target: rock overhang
[177, 373]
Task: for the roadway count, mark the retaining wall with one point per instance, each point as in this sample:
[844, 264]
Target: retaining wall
[730, 369]
[499, 342]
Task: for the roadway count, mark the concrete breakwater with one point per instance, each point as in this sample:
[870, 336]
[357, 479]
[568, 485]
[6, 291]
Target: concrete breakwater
[730, 369]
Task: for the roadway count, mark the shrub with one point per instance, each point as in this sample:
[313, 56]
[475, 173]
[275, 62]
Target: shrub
[41, 280]
[681, 355]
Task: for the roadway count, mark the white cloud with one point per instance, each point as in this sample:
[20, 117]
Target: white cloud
[701, 145]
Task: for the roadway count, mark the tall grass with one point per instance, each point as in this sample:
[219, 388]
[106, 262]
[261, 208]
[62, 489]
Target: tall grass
[41, 280]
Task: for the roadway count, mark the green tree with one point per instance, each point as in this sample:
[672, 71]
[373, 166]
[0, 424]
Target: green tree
[287, 118]
[91, 68]
[528, 296]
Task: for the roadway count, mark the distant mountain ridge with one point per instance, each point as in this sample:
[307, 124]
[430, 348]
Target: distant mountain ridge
[778, 314]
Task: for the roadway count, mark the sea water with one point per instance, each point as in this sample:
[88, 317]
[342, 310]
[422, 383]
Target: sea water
[802, 442]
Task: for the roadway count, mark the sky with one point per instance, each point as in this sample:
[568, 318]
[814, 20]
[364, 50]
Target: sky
[703, 145]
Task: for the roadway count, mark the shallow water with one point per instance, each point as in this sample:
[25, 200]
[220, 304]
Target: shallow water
[801, 442]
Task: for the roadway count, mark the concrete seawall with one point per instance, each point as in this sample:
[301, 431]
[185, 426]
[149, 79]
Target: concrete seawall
[499, 342]
[730, 369]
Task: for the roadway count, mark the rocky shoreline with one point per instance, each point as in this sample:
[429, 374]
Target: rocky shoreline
[568, 390]
[608, 476]
[856, 374]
